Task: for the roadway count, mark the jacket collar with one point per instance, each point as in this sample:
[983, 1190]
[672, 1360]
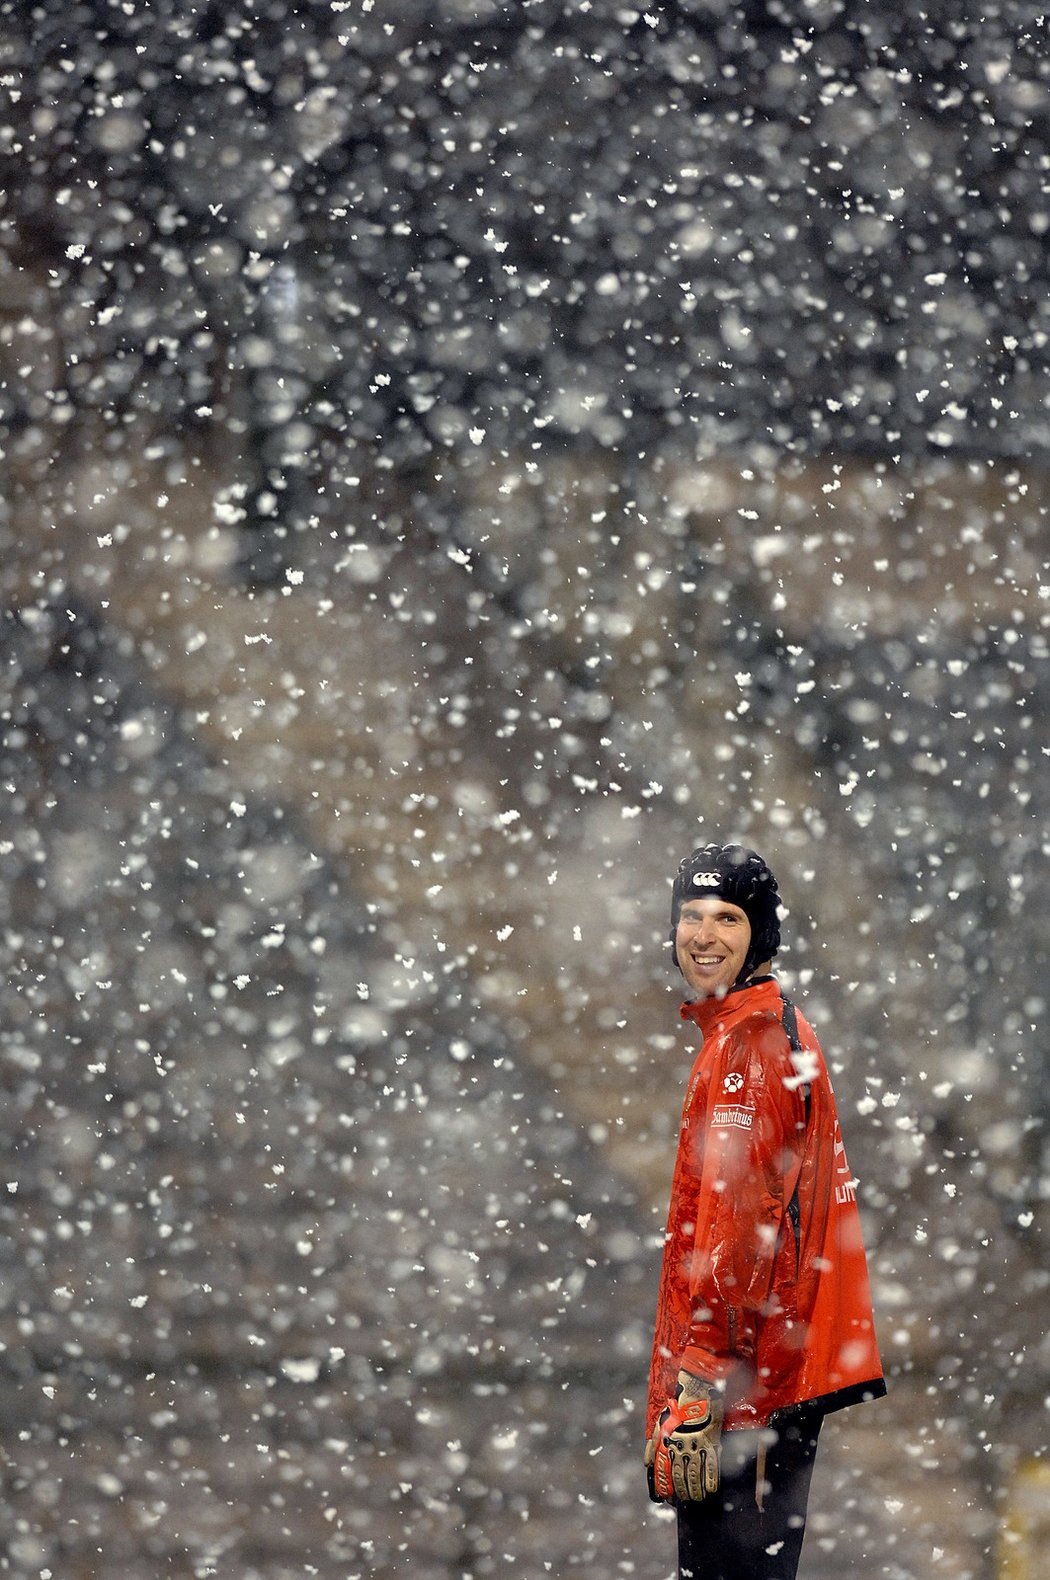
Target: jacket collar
[712, 1013]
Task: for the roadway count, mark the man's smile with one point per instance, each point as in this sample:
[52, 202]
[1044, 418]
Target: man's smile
[712, 940]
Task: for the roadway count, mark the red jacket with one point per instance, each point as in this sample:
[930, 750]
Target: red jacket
[764, 1281]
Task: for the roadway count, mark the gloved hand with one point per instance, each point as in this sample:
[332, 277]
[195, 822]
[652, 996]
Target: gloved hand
[682, 1456]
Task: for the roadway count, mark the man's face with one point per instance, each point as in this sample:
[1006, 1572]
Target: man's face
[711, 943]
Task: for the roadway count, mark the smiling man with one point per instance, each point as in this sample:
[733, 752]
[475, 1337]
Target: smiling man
[764, 1320]
[712, 940]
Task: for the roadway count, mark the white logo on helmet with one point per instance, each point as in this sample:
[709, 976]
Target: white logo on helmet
[707, 880]
[733, 1081]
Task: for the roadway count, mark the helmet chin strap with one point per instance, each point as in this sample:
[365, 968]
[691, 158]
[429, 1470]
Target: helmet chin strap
[753, 973]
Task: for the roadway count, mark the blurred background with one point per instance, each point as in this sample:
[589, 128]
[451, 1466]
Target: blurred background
[456, 459]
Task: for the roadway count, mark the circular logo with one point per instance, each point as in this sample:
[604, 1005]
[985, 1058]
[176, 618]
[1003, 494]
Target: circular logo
[733, 1081]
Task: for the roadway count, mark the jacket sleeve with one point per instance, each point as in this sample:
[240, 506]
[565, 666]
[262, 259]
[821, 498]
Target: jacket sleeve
[755, 1124]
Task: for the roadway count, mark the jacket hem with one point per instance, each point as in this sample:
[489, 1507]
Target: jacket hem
[840, 1399]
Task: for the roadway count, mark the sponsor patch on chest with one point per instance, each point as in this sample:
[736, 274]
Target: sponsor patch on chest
[727, 1115]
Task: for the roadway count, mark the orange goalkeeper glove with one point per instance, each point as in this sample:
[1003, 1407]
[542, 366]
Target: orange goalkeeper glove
[682, 1456]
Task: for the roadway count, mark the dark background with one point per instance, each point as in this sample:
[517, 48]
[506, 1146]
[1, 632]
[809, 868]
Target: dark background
[456, 459]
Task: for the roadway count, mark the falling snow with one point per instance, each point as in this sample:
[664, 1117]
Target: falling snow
[455, 460]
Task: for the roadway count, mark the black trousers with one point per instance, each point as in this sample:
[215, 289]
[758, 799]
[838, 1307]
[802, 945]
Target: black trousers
[729, 1537]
